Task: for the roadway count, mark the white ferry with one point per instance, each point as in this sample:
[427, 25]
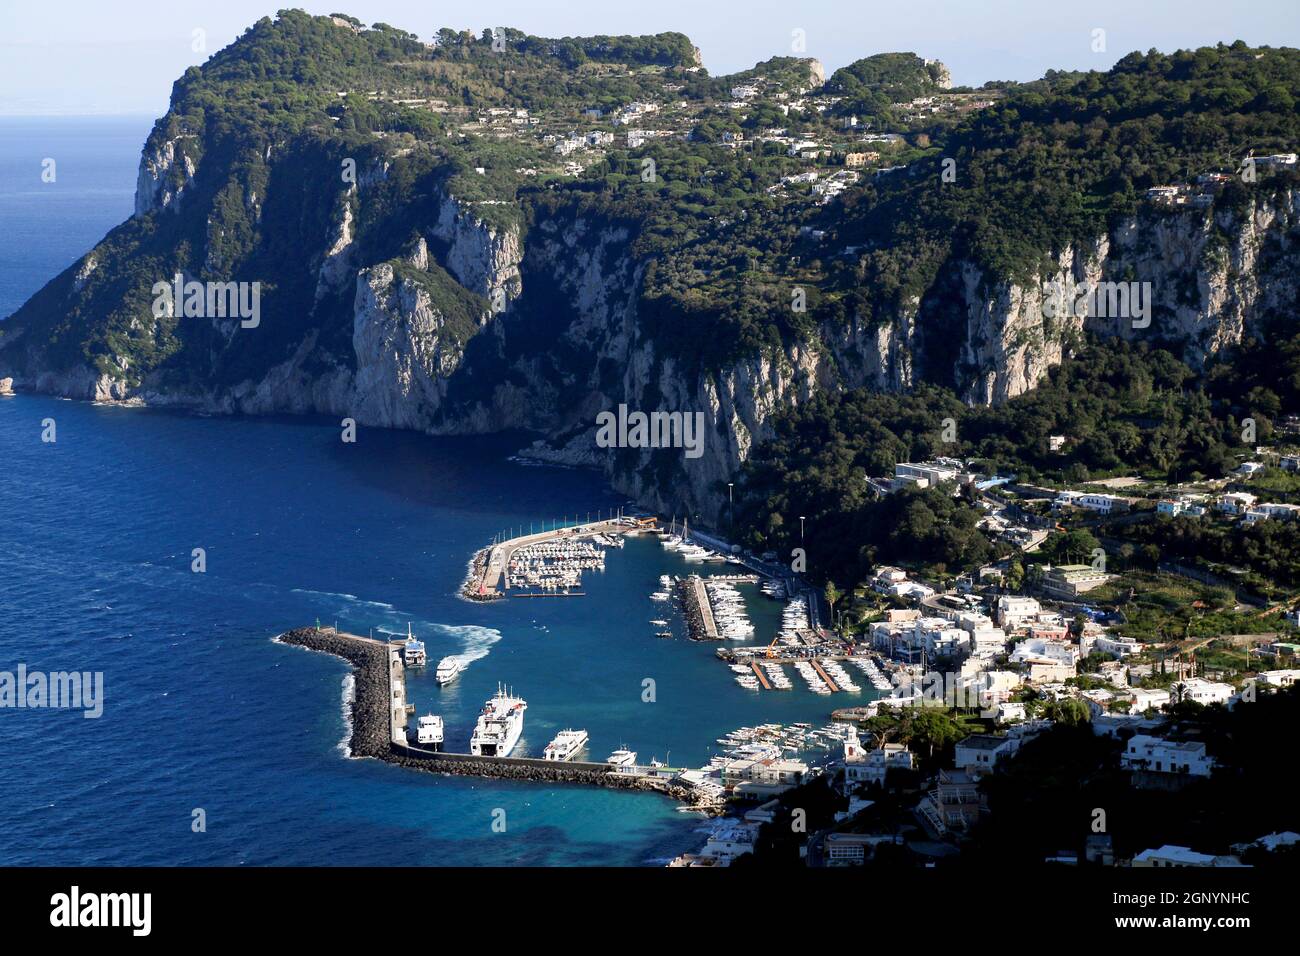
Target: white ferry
[566, 745]
[428, 731]
[622, 758]
[499, 725]
[449, 669]
[413, 653]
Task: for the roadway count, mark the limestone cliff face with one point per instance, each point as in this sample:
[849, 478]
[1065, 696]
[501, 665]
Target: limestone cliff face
[478, 327]
[166, 169]
[1210, 275]
[483, 258]
[404, 357]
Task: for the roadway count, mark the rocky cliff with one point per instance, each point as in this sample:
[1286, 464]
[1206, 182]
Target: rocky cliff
[406, 281]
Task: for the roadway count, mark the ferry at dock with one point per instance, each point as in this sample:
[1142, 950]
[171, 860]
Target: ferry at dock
[449, 669]
[499, 725]
[622, 758]
[566, 745]
[413, 651]
[428, 731]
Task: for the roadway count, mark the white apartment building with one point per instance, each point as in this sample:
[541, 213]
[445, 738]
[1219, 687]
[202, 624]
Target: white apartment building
[1158, 755]
[1203, 691]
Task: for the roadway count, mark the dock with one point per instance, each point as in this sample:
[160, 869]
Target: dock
[825, 676]
[486, 579]
[762, 678]
[698, 610]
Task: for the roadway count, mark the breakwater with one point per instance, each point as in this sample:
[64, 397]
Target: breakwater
[696, 609]
[371, 737]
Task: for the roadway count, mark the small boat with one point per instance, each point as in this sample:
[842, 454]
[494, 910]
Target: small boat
[659, 623]
[663, 633]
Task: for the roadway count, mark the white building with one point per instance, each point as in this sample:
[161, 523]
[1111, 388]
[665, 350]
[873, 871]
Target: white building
[871, 766]
[1282, 678]
[1158, 755]
[980, 753]
[1202, 691]
[1147, 699]
[1014, 612]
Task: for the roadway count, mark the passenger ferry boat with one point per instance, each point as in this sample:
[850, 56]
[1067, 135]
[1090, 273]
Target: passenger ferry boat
[449, 669]
[413, 653]
[622, 758]
[428, 731]
[566, 745]
[499, 725]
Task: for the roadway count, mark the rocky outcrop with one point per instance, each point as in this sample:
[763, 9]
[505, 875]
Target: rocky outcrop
[483, 258]
[404, 357]
[166, 170]
[1206, 278]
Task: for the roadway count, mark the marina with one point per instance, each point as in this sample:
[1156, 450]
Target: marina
[549, 562]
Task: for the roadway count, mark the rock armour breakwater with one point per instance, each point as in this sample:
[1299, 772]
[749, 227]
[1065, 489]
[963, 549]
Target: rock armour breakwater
[370, 702]
[370, 736]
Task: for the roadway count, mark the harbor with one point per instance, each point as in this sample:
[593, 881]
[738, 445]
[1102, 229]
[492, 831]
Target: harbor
[763, 624]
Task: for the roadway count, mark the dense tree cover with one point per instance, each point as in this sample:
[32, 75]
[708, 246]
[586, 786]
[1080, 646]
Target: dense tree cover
[1270, 549]
[1123, 408]
[1058, 162]
[871, 86]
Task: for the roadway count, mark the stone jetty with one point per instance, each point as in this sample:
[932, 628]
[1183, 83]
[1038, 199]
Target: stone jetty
[371, 737]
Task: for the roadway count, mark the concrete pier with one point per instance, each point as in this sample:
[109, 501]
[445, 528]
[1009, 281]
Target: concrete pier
[488, 568]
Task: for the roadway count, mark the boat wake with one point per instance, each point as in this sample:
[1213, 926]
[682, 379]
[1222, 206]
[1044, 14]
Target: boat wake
[476, 641]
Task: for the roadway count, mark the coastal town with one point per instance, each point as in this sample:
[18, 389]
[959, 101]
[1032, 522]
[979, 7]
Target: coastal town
[999, 666]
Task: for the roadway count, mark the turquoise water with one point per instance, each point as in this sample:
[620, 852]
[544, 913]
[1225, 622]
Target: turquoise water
[204, 711]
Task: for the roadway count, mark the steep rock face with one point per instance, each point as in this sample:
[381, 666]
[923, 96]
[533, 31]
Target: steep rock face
[596, 283]
[166, 170]
[483, 258]
[1208, 276]
[403, 357]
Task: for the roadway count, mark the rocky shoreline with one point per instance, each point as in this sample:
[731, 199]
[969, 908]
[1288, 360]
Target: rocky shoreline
[370, 734]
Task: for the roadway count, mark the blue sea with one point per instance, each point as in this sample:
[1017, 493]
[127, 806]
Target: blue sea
[203, 711]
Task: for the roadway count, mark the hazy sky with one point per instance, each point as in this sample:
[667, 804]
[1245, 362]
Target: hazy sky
[92, 56]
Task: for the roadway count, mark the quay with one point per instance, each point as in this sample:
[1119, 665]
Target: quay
[487, 579]
[698, 610]
[379, 711]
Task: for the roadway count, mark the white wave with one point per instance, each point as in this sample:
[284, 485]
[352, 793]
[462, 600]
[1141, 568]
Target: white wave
[349, 695]
[476, 641]
[346, 598]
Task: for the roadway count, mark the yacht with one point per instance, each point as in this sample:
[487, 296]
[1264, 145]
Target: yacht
[499, 725]
[428, 731]
[449, 669]
[622, 758]
[566, 745]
